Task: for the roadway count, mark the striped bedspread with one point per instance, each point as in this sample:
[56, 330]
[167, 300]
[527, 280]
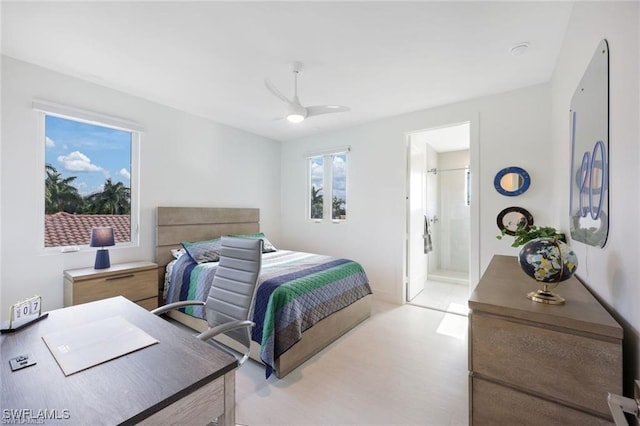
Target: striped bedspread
[295, 291]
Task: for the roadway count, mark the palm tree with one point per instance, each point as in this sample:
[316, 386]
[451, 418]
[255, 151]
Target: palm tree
[114, 199]
[316, 203]
[59, 193]
[48, 168]
[339, 208]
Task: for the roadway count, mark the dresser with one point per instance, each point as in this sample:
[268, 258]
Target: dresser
[537, 364]
[137, 281]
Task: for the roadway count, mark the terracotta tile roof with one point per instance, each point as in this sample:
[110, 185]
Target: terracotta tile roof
[65, 229]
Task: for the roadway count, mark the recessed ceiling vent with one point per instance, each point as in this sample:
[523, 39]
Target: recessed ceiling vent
[519, 49]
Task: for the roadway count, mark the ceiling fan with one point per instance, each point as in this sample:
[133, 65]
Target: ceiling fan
[296, 112]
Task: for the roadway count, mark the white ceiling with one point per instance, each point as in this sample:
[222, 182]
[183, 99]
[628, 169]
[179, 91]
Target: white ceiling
[210, 58]
[445, 139]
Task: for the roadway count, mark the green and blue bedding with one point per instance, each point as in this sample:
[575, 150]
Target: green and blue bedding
[295, 291]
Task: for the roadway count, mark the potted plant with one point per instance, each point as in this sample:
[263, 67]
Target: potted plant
[545, 257]
[524, 233]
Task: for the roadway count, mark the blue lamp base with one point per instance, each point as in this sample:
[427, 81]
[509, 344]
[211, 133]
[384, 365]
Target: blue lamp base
[102, 259]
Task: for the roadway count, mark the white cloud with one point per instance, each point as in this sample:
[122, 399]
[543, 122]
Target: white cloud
[82, 187]
[125, 173]
[48, 142]
[317, 173]
[338, 162]
[78, 162]
[317, 170]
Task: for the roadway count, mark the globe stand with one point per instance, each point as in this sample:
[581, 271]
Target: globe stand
[545, 295]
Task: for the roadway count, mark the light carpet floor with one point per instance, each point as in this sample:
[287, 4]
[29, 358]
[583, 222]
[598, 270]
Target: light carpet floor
[406, 365]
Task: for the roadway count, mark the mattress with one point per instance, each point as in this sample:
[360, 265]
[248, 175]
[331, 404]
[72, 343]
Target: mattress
[295, 291]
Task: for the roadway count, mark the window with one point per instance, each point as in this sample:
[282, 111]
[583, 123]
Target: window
[328, 175]
[339, 186]
[89, 179]
[317, 184]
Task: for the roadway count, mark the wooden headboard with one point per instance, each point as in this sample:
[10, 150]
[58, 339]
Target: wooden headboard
[177, 224]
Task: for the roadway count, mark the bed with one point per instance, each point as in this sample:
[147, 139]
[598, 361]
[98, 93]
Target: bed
[282, 348]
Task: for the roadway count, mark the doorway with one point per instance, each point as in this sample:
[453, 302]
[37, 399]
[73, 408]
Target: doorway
[439, 218]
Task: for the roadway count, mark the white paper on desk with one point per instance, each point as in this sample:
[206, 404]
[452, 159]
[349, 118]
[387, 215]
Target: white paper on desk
[84, 346]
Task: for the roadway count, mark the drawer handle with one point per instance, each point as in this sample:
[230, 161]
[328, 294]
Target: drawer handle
[119, 277]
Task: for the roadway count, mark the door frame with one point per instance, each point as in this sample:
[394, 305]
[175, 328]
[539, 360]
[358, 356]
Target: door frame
[474, 201]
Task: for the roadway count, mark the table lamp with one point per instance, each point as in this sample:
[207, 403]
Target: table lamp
[102, 237]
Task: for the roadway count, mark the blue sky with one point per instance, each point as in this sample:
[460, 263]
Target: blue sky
[89, 152]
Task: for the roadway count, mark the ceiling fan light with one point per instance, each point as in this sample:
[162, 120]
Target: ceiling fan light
[295, 118]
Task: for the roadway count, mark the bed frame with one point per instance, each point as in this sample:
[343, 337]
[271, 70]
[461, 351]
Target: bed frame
[177, 224]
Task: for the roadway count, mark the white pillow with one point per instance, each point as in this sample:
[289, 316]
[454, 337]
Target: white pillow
[176, 253]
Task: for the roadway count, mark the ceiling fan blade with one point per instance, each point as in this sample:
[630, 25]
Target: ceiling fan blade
[325, 109]
[276, 92]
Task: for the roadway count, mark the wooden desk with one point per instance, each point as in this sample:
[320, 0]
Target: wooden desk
[179, 380]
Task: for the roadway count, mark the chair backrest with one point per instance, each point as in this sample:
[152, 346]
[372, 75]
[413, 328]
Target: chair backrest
[233, 290]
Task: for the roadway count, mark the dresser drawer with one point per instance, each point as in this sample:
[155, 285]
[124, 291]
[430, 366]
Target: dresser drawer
[137, 281]
[493, 404]
[132, 285]
[545, 361]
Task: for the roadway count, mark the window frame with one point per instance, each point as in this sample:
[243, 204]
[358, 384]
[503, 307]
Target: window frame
[332, 178]
[310, 187]
[327, 184]
[44, 109]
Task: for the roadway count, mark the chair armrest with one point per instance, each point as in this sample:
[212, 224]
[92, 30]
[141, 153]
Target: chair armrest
[175, 305]
[223, 328]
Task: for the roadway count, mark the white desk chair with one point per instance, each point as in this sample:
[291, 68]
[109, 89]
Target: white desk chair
[229, 305]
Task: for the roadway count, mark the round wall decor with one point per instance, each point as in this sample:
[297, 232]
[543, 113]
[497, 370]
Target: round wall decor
[512, 181]
[509, 218]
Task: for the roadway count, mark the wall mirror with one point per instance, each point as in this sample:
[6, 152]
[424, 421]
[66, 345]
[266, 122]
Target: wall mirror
[594, 184]
[589, 195]
[509, 218]
[512, 181]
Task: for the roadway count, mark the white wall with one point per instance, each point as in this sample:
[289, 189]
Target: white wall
[611, 272]
[185, 160]
[510, 129]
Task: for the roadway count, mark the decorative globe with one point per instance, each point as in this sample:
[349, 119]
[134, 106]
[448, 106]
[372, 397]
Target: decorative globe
[548, 260]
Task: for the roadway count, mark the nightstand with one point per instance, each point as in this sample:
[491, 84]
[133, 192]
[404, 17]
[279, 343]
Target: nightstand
[137, 281]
